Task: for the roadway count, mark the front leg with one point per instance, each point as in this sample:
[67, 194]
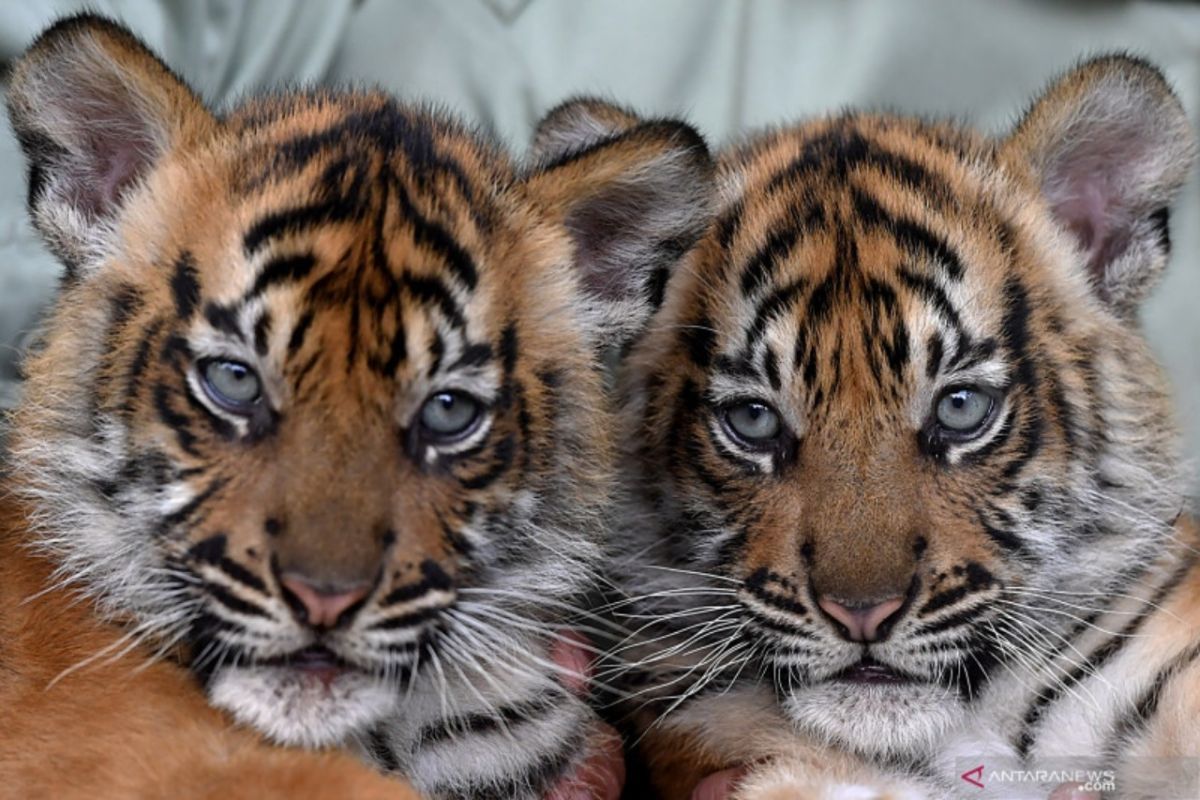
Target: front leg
[834, 777]
[744, 730]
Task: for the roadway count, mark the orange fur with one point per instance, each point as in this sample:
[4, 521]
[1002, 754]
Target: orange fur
[123, 726]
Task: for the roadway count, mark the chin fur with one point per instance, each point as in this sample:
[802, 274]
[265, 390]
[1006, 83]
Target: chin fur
[296, 709]
[891, 721]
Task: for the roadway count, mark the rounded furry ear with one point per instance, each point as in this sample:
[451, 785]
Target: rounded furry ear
[577, 124]
[1111, 145]
[635, 196]
[94, 110]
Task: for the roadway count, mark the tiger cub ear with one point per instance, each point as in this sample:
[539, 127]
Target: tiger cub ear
[577, 124]
[93, 110]
[635, 196]
[1110, 145]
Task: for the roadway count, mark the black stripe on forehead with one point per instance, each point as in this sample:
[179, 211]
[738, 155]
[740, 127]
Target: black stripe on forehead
[433, 236]
[843, 149]
[909, 234]
[773, 306]
[373, 126]
[759, 271]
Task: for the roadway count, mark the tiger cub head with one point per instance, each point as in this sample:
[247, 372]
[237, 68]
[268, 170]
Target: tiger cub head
[898, 399]
[320, 402]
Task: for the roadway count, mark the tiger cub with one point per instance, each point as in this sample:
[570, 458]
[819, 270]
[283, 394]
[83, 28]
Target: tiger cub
[905, 491]
[317, 416]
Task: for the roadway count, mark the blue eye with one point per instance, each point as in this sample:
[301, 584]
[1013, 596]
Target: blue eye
[963, 411]
[449, 415]
[232, 385]
[753, 422]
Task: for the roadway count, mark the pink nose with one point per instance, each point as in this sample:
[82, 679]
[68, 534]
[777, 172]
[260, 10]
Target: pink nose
[322, 608]
[862, 622]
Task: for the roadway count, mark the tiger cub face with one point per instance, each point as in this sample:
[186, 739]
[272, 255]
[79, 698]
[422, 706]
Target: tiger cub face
[898, 400]
[320, 401]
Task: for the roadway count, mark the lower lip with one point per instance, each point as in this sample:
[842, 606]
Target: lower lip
[871, 674]
[317, 663]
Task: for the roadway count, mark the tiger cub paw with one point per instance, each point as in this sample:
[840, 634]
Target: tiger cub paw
[804, 782]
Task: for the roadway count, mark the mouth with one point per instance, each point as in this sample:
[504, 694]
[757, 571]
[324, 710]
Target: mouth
[316, 662]
[870, 672]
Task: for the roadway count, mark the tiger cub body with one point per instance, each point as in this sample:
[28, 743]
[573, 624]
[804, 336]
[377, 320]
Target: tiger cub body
[319, 412]
[905, 495]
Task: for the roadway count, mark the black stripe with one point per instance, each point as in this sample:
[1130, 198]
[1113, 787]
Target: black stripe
[777, 626]
[509, 348]
[935, 295]
[213, 551]
[843, 149]
[968, 353]
[433, 236]
[381, 751]
[174, 420]
[1161, 222]
[185, 286]
[909, 234]
[774, 304]
[398, 350]
[895, 348]
[262, 331]
[483, 723]
[431, 290]
[437, 351]
[934, 354]
[210, 550]
[296, 340]
[503, 457]
[409, 620]
[771, 368]
[1008, 540]
[976, 578]
[141, 360]
[233, 602]
[434, 578]
[285, 269]
[184, 513]
[223, 318]
[957, 619]
[760, 269]
[699, 339]
[755, 584]
[242, 575]
[473, 355]
[291, 221]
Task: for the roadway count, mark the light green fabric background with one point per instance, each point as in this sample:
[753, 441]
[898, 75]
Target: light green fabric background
[727, 65]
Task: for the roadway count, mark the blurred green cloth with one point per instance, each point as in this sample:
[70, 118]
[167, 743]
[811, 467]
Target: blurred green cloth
[726, 65]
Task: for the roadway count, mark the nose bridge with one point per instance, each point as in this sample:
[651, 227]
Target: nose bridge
[863, 522]
[336, 508]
